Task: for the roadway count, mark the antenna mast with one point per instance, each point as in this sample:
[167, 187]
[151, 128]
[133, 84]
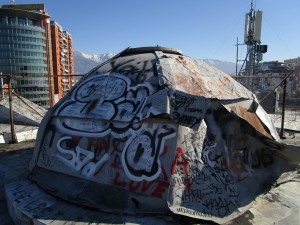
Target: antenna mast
[250, 40]
[253, 21]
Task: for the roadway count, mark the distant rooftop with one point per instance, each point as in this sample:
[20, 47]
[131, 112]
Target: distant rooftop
[28, 7]
[34, 11]
[54, 23]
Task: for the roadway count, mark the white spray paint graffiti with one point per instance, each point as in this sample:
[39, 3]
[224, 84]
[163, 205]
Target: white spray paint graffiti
[90, 169]
[140, 157]
[111, 97]
[80, 158]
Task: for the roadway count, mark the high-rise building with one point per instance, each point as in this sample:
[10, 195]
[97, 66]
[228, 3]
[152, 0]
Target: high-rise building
[63, 65]
[30, 53]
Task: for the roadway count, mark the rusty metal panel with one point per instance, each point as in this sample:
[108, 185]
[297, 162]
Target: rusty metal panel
[196, 78]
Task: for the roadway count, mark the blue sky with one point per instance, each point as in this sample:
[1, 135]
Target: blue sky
[199, 28]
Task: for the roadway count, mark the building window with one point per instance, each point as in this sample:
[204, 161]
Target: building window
[2, 20]
[36, 23]
[30, 22]
[22, 21]
[12, 20]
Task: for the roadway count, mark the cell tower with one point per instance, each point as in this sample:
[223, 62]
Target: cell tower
[253, 22]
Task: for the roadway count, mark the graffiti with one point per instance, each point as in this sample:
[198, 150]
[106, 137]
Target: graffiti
[81, 127]
[185, 120]
[140, 158]
[228, 155]
[224, 180]
[46, 160]
[201, 175]
[229, 145]
[193, 212]
[102, 88]
[194, 195]
[180, 161]
[92, 167]
[213, 156]
[71, 158]
[20, 194]
[130, 160]
[188, 110]
[180, 181]
[129, 125]
[156, 188]
[80, 159]
[24, 194]
[264, 158]
[110, 97]
[220, 205]
[35, 207]
[181, 101]
[138, 72]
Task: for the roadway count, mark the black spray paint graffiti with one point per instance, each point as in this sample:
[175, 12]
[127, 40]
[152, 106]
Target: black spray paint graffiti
[197, 180]
[140, 158]
[137, 71]
[112, 97]
[188, 110]
[233, 145]
[185, 120]
[228, 155]
[180, 101]
[102, 88]
[221, 206]
[193, 213]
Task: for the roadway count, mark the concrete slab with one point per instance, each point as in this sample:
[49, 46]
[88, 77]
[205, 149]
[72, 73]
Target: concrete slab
[28, 204]
[11, 160]
[291, 120]
[281, 205]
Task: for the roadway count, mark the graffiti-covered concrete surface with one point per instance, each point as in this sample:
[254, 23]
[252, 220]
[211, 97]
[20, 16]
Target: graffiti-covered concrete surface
[151, 131]
[28, 204]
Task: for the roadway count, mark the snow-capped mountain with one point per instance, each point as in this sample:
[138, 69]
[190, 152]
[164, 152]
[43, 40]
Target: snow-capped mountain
[227, 67]
[84, 62]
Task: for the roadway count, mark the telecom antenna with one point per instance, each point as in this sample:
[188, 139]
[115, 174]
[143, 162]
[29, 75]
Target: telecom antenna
[13, 2]
[253, 21]
[252, 38]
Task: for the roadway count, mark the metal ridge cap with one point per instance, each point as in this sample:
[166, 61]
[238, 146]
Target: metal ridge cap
[150, 49]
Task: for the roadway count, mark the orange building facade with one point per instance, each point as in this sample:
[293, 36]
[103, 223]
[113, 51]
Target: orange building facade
[63, 60]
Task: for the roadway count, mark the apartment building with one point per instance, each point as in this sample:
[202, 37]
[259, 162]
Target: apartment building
[63, 63]
[40, 63]
[294, 64]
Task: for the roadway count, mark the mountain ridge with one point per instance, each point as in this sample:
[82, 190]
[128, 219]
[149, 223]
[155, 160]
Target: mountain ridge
[84, 62]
